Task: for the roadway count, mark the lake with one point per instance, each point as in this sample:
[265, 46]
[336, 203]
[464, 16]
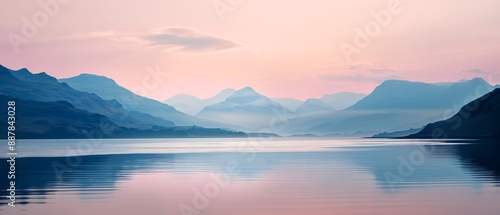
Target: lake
[254, 176]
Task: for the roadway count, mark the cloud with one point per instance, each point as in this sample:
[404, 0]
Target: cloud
[488, 76]
[186, 39]
[367, 68]
[381, 70]
[357, 78]
[356, 66]
[170, 38]
[360, 73]
[477, 71]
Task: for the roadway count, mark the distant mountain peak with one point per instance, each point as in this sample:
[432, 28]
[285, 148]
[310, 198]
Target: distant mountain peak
[245, 106]
[246, 92]
[92, 79]
[395, 84]
[192, 105]
[245, 98]
[222, 95]
[344, 94]
[392, 81]
[246, 89]
[477, 80]
[397, 94]
[6, 74]
[313, 105]
[463, 81]
[228, 90]
[25, 75]
[93, 75]
[312, 100]
[184, 95]
[23, 70]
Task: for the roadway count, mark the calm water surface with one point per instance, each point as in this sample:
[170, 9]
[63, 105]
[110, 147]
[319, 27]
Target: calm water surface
[250, 176]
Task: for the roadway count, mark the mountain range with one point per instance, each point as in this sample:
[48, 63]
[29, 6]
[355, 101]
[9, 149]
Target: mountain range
[50, 109]
[255, 111]
[61, 120]
[398, 94]
[395, 107]
[107, 88]
[22, 84]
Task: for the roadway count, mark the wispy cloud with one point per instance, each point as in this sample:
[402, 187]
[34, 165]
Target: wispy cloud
[170, 38]
[359, 73]
[476, 71]
[186, 39]
[488, 76]
[367, 68]
[357, 78]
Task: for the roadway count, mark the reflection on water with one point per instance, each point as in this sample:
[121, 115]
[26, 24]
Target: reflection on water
[343, 179]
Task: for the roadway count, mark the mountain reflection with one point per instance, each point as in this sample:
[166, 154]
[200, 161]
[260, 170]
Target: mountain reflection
[97, 175]
[482, 158]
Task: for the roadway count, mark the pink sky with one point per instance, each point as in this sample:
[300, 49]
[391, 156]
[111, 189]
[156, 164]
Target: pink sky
[281, 48]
